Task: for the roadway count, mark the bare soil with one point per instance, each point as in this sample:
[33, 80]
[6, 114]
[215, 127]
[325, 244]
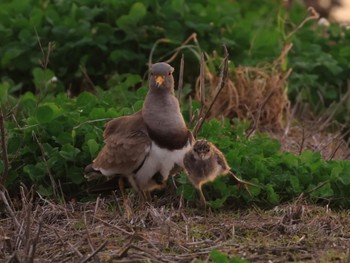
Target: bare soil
[110, 230]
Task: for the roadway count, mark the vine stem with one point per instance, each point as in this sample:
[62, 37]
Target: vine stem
[222, 84]
[4, 148]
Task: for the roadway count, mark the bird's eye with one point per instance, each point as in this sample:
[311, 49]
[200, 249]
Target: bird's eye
[151, 73]
[169, 73]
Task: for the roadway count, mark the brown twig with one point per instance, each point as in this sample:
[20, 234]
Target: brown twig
[339, 104]
[258, 113]
[181, 79]
[88, 79]
[34, 243]
[3, 148]
[9, 208]
[193, 37]
[190, 112]
[201, 94]
[314, 15]
[318, 187]
[302, 141]
[95, 252]
[202, 82]
[46, 57]
[53, 182]
[222, 84]
[340, 139]
[90, 121]
[115, 227]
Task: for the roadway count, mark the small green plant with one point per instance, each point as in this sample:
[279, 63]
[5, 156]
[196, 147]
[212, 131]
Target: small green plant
[218, 257]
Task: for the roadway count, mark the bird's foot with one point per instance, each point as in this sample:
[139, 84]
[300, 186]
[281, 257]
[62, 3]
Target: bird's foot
[93, 176]
[242, 183]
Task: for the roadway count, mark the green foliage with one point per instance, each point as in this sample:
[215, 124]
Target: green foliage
[60, 136]
[49, 133]
[218, 257]
[280, 176]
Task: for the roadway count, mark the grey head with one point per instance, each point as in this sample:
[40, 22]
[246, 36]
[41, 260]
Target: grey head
[202, 149]
[161, 76]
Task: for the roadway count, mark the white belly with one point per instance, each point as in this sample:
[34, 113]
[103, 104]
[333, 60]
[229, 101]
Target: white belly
[159, 160]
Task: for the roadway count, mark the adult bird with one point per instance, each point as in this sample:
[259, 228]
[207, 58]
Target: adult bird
[145, 147]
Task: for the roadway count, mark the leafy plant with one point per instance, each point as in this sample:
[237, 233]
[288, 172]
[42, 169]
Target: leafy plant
[48, 46]
[217, 256]
[281, 176]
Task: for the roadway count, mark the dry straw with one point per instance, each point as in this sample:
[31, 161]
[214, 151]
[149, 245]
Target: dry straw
[258, 94]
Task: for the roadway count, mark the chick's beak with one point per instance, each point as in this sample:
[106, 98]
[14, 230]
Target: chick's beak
[159, 80]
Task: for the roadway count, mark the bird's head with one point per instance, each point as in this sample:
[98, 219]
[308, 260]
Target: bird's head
[161, 76]
[202, 149]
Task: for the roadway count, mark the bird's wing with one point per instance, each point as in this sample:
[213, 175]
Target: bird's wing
[127, 144]
[220, 158]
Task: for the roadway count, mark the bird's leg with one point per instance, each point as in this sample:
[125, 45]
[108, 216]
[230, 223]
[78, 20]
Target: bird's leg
[203, 201]
[148, 197]
[242, 183]
[202, 197]
[128, 209]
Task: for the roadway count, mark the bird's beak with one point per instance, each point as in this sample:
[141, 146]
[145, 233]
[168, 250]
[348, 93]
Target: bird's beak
[159, 80]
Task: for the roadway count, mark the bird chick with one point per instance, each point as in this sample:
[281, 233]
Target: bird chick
[203, 164]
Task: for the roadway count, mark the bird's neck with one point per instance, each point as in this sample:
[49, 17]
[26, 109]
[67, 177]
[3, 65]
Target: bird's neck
[163, 118]
[162, 111]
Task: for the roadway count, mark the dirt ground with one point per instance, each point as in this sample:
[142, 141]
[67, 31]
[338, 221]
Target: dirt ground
[104, 231]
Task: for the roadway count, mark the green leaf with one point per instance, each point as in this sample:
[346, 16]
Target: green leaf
[35, 172]
[341, 172]
[218, 202]
[47, 112]
[324, 192]
[86, 98]
[4, 88]
[98, 113]
[294, 181]
[138, 105]
[44, 114]
[272, 196]
[28, 101]
[178, 6]
[10, 54]
[93, 147]
[42, 77]
[219, 257]
[75, 174]
[44, 191]
[68, 152]
[137, 12]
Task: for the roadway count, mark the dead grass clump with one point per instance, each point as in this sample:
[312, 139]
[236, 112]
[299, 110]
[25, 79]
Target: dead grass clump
[254, 93]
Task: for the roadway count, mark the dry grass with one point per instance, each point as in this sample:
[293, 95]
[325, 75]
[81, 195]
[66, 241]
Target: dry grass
[254, 93]
[99, 231]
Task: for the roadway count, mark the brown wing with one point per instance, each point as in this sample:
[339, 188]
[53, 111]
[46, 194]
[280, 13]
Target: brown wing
[220, 158]
[126, 146]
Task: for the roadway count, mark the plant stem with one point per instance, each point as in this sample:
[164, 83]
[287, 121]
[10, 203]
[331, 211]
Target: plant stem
[4, 148]
[222, 85]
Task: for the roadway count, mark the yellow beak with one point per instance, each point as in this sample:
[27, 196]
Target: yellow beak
[159, 80]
